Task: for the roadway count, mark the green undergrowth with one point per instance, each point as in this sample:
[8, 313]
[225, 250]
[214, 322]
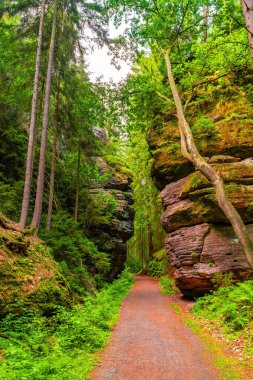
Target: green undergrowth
[157, 266]
[62, 346]
[167, 285]
[230, 307]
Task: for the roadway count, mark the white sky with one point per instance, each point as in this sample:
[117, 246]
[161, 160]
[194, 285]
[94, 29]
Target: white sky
[99, 62]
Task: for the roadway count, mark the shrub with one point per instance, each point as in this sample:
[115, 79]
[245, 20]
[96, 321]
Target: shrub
[167, 285]
[223, 279]
[79, 257]
[204, 128]
[232, 306]
[158, 264]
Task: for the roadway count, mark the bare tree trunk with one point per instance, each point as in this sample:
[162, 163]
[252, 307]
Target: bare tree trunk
[77, 182]
[52, 176]
[41, 171]
[142, 250]
[30, 148]
[150, 243]
[189, 151]
[247, 7]
[205, 31]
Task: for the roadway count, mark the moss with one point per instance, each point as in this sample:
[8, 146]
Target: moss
[229, 120]
[195, 181]
[28, 275]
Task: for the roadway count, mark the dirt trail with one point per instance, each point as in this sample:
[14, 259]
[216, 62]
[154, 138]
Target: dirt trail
[151, 343]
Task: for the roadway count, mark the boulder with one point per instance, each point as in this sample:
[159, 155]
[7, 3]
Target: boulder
[199, 252]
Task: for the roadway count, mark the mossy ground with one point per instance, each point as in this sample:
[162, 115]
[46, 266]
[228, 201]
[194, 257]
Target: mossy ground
[29, 275]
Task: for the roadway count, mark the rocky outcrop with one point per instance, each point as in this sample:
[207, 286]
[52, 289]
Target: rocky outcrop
[200, 242]
[199, 252]
[29, 276]
[116, 225]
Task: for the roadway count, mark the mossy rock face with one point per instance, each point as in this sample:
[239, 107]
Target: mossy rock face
[192, 201]
[232, 124]
[29, 276]
[236, 172]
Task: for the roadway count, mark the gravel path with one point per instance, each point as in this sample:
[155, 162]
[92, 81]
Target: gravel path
[151, 343]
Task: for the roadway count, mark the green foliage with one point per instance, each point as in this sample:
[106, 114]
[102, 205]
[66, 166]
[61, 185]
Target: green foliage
[223, 280]
[204, 128]
[157, 266]
[79, 257]
[231, 306]
[133, 263]
[63, 345]
[148, 233]
[10, 196]
[117, 163]
[167, 285]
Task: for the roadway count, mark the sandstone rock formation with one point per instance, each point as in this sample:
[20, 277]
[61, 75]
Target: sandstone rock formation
[200, 242]
[113, 231]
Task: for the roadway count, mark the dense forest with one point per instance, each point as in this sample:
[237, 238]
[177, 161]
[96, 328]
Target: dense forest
[151, 175]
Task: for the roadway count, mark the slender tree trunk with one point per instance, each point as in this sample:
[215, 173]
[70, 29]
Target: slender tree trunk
[30, 148]
[52, 176]
[150, 243]
[205, 31]
[247, 7]
[41, 171]
[77, 182]
[142, 251]
[189, 150]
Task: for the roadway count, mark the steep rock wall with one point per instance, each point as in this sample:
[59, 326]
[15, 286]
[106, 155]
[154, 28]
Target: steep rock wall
[116, 225]
[200, 242]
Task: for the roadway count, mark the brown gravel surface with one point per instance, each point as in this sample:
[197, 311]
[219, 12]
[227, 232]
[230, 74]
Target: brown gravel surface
[150, 342]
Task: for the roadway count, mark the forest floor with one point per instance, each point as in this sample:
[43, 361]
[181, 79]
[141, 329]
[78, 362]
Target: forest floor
[152, 342]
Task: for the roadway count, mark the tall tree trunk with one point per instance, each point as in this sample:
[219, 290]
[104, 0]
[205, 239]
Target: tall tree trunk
[77, 181]
[41, 171]
[189, 151]
[247, 7]
[150, 243]
[30, 148]
[52, 176]
[205, 31]
[142, 250]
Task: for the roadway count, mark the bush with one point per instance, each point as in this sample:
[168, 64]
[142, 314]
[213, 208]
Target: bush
[204, 128]
[79, 257]
[232, 306]
[134, 263]
[62, 346]
[158, 264]
[223, 280]
[167, 285]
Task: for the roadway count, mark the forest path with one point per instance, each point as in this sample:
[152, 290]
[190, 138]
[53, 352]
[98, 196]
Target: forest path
[150, 342]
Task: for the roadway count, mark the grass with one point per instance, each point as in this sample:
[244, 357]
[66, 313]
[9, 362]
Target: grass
[64, 345]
